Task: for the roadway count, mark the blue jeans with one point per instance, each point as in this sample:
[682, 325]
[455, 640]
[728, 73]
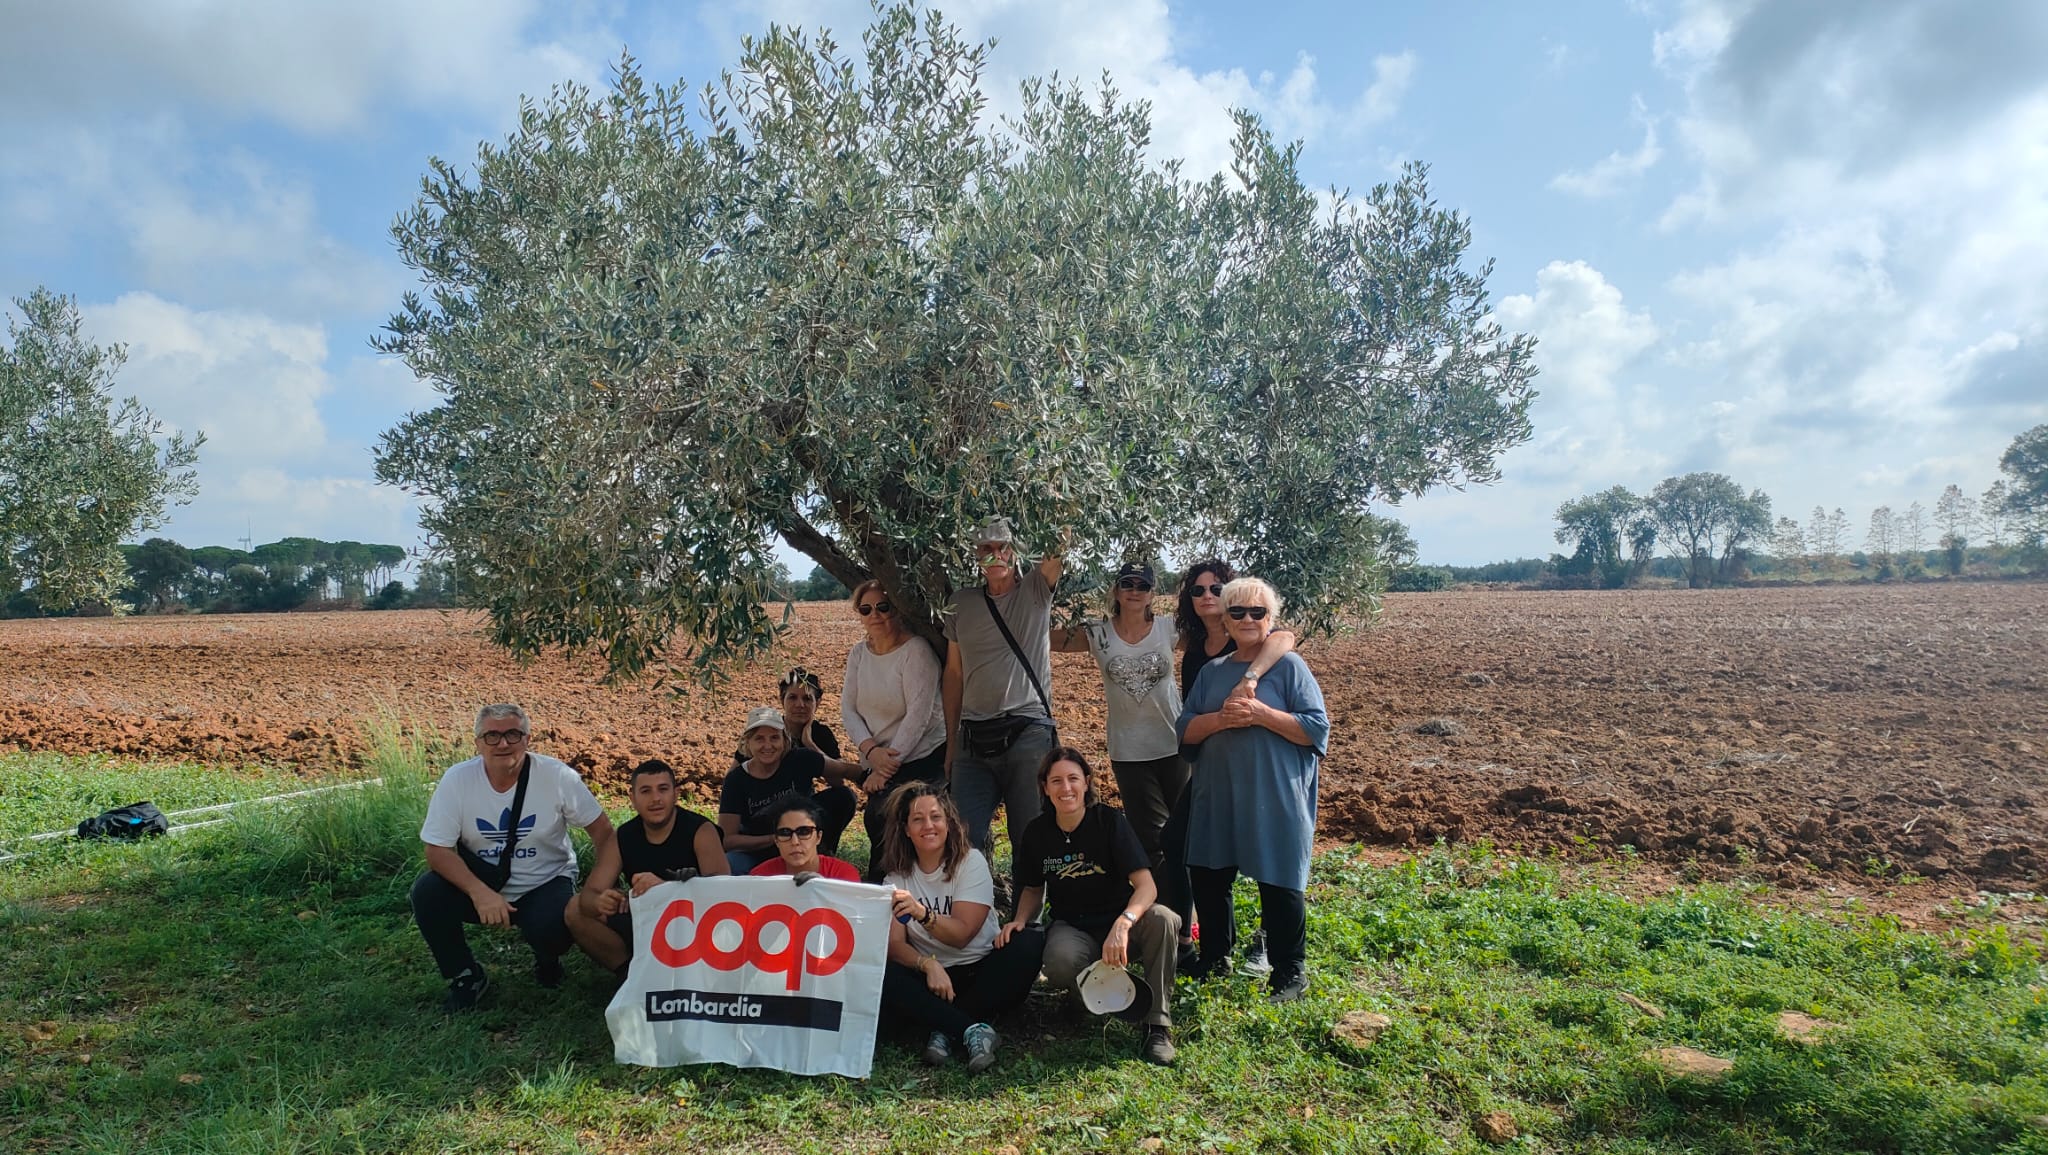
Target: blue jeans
[1010, 781]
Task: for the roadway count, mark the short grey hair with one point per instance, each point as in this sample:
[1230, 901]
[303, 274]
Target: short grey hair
[1251, 591]
[498, 710]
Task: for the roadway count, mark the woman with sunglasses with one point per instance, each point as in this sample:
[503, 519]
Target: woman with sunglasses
[799, 827]
[890, 704]
[1200, 623]
[1252, 799]
[1134, 648]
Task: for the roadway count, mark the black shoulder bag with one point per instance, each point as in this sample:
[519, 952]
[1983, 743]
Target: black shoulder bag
[496, 876]
[993, 737]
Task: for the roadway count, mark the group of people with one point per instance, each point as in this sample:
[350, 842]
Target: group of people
[1217, 774]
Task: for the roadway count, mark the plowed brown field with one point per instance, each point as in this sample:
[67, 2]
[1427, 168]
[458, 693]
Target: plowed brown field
[1838, 731]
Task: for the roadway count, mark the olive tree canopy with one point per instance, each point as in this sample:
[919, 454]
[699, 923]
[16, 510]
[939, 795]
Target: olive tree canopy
[78, 472]
[828, 299]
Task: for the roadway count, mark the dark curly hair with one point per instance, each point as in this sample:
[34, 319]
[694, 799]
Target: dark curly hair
[1193, 633]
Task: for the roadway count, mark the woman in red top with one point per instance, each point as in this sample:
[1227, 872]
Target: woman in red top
[798, 825]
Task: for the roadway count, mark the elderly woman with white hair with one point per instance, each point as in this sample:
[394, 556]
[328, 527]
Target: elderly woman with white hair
[1252, 798]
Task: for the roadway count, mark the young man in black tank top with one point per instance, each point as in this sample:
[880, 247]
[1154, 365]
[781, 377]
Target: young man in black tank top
[661, 843]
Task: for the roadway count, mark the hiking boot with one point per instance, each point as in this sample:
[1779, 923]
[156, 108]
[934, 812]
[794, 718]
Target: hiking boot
[547, 971]
[1288, 986]
[1255, 961]
[981, 1047]
[1158, 1047]
[464, 990]
[938, 1050]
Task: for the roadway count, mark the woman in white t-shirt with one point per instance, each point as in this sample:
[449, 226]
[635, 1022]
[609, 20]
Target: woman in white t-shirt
[889, 702]
[945, 974]
[1134, 647]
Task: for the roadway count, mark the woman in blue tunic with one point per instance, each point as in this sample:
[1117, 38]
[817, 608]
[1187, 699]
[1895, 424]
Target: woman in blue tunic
[1252, 799]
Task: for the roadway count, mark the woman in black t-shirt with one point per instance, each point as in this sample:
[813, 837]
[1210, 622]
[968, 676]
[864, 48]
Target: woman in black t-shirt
[747, 803]
[1082, 858]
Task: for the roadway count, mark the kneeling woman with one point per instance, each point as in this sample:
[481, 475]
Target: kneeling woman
[1082, 857]
[945, 972]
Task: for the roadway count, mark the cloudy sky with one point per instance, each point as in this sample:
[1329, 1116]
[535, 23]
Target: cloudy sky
[1801, 244]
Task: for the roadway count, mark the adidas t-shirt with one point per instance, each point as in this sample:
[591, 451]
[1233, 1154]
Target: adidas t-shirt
[466, 811]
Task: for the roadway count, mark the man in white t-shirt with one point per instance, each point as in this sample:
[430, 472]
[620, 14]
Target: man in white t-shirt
[470, 824]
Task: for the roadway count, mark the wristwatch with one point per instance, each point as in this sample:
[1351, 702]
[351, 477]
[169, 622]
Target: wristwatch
[1127, 916]
[1251, 679]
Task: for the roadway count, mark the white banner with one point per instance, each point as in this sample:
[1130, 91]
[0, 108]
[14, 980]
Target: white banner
[755, 972]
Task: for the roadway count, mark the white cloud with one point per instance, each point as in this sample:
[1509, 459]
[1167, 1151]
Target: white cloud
[1135, 44]
[1608, 176]
[1590, 421]
[319, 66]
[254, 385]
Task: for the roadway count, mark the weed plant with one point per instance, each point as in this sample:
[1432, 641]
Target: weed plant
[258, 987]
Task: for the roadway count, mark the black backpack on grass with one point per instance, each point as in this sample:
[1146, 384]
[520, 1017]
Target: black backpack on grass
[133, 821]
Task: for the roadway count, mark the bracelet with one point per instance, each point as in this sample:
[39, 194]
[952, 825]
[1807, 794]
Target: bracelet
[930, 916]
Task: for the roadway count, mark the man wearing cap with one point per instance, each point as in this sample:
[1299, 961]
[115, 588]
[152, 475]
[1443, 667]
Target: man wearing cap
[498, 853]
[997, 691]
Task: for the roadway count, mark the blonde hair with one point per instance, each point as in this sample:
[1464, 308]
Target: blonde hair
[1251, 591]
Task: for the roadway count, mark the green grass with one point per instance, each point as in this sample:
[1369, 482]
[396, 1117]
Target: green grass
[272, 958]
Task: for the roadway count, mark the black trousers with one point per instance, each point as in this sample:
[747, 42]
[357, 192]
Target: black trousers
[981, 990]
[1176, 892]
[440, 910]
[930, 768]
[1282, 912]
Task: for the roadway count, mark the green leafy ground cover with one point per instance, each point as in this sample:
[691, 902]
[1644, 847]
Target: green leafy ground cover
[258, 987]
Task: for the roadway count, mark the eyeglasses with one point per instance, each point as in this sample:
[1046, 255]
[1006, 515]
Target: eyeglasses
[1255, 613]
[1197, 590]
[1134, 584]
[881, 607]
[795, 833]
[502, 737]
[993, 552]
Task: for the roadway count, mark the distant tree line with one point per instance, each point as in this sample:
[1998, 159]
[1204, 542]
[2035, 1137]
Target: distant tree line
[163, 576]
[1715, 533]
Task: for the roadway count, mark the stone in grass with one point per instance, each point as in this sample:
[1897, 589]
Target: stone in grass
[1687, 1063]
[1644, 1005]
[1360, 1029]
[1496, 1127]
[1440, 727]
[1794, 1027]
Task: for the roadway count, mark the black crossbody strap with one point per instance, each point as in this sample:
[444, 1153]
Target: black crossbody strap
[1019, 651]
[512, 828]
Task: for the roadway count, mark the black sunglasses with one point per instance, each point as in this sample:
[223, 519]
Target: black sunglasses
[502, 737]
[1195, 591]
[795, 833]
[1134, 584]
[1255, 613]
[881, 607]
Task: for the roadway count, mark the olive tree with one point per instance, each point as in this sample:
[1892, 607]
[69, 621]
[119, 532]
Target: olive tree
[828, 300]
[78, 472]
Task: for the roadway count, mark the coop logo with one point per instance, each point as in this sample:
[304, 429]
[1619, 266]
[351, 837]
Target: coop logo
[753, 1010]
[495, 835]
[747, 933]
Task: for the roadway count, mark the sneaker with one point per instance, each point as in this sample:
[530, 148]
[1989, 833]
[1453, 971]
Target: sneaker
[1204, 968]
[981, 1047]
[1184, 959]
[938, 1050]
[464, 990]
[1255, 961]
[1288, 987]
[1158, 1046]
[547, 971]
